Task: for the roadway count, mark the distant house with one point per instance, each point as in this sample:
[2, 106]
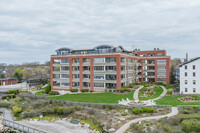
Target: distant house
[8, 81]
[190, 77]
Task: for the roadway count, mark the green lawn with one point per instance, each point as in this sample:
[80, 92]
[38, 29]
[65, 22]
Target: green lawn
[158, 92]
[173, 101]
[39, 92]
[94, 97]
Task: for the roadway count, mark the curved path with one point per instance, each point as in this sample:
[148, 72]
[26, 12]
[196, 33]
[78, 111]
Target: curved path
[127, 125]
[135, 96]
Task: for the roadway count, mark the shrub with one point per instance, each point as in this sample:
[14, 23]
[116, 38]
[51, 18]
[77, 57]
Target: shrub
[53, 93]
[110, 107]
[114, 90]
[15, 91]
[130, 85]
[84, 90]
[47, 88]
[137, 111]
[4, 105]
[143, 110]
[59, 110]
[74, 90]
[9, 96]
[91, 91]
[122, 91]
[167, 129]
[191, 125]
[78, 107]
[125, 88]
[16, 110]
[168, 86]
[170, 91]
[110, 90]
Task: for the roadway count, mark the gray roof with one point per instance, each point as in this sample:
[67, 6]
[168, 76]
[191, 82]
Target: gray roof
[189, 61]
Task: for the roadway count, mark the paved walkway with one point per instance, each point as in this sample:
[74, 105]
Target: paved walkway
[135, 95]
[127, 125]
[162, 95]
[7, 114]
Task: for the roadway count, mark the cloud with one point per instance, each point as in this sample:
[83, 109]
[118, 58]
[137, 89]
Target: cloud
[32, 30]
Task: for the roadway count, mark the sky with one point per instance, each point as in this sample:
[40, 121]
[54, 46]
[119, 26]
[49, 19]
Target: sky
[31, 30]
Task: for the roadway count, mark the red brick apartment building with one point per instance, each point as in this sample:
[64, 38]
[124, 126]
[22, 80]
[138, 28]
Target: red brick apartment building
[8, 81]
[107, 67]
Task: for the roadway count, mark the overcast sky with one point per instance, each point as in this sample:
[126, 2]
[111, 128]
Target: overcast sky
[31, 30]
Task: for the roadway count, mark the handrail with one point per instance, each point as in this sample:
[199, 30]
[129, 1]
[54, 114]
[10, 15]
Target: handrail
[18, 126]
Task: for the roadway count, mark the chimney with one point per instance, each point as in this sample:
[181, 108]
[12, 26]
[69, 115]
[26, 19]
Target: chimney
[186, 56]
[154, 48]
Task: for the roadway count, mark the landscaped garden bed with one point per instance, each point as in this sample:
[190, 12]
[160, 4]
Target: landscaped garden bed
[188, 120]
[151, 92]
[188, 99]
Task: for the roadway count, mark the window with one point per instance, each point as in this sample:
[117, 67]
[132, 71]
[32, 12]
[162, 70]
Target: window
[194, 82]
[194, 74]
[75, 76]
[186, 90]
[186, 82]
[185, 67]
[98, 60]
[111, 60]
[185, 74]
[75, 68]
[56, 76]
[86, 76]
[86, 68]
[64, 76]
[99, 68]
[96, 84]
[194, 67]
[64, 60]
[64, 68]
[123, 60]
[86, 60]
[161, 67]
[64, 83]
[75, 60]
[111, 68]
[98, 76]
[159, 54]
[151, 54]
[194, 89]
[161, 73]
[111, 77]
[161, 61]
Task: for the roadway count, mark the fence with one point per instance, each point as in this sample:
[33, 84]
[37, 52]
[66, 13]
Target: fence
[18, 126]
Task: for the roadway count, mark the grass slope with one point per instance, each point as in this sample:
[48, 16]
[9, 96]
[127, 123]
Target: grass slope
[94, 97]
[173, 101]
[158, 91]
[39, 93]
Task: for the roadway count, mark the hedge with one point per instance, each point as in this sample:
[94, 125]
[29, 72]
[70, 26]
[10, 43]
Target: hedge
[143, 110]
[53, 93]
[13, 92]
[9, 96]
[74, 90]
[84, 90]
[191, 125]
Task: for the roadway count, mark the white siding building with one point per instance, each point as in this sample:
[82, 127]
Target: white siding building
[190, 77]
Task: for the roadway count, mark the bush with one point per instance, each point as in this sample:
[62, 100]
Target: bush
[130, 85]
[191, 125]
[9, 96]
[110, 107]
[16, 110]
[53, 93]
[143, 110]
[74, 90]
[13, 92]
[84, 90]
[110, 90]
[47, 89]
[59, 110]
[137, 111]
[78, 107]
[114, 90]
[122, 91]
[168, 86]
[4, 105]
[170, 91]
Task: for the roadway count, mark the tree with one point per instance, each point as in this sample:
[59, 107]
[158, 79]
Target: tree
[19, 74]
[172, 75]
[2, 76]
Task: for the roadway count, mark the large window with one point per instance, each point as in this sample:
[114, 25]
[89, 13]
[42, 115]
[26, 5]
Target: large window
[159, 54]
[99, 68]
[161, 73]
[75, 68]
[86, 76]
[161, 67]
[111, 60]
[64, 60]
[56, 61]
[64, 76]
[111, 68]
[97, 84]
[161, 61]
[64, 83]
[64, 68]
[99, 60]
[75, 60]
[56, 76]
[86, 60]
[86, 68]
[98, 76]
[111, 77]
[123, 60]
